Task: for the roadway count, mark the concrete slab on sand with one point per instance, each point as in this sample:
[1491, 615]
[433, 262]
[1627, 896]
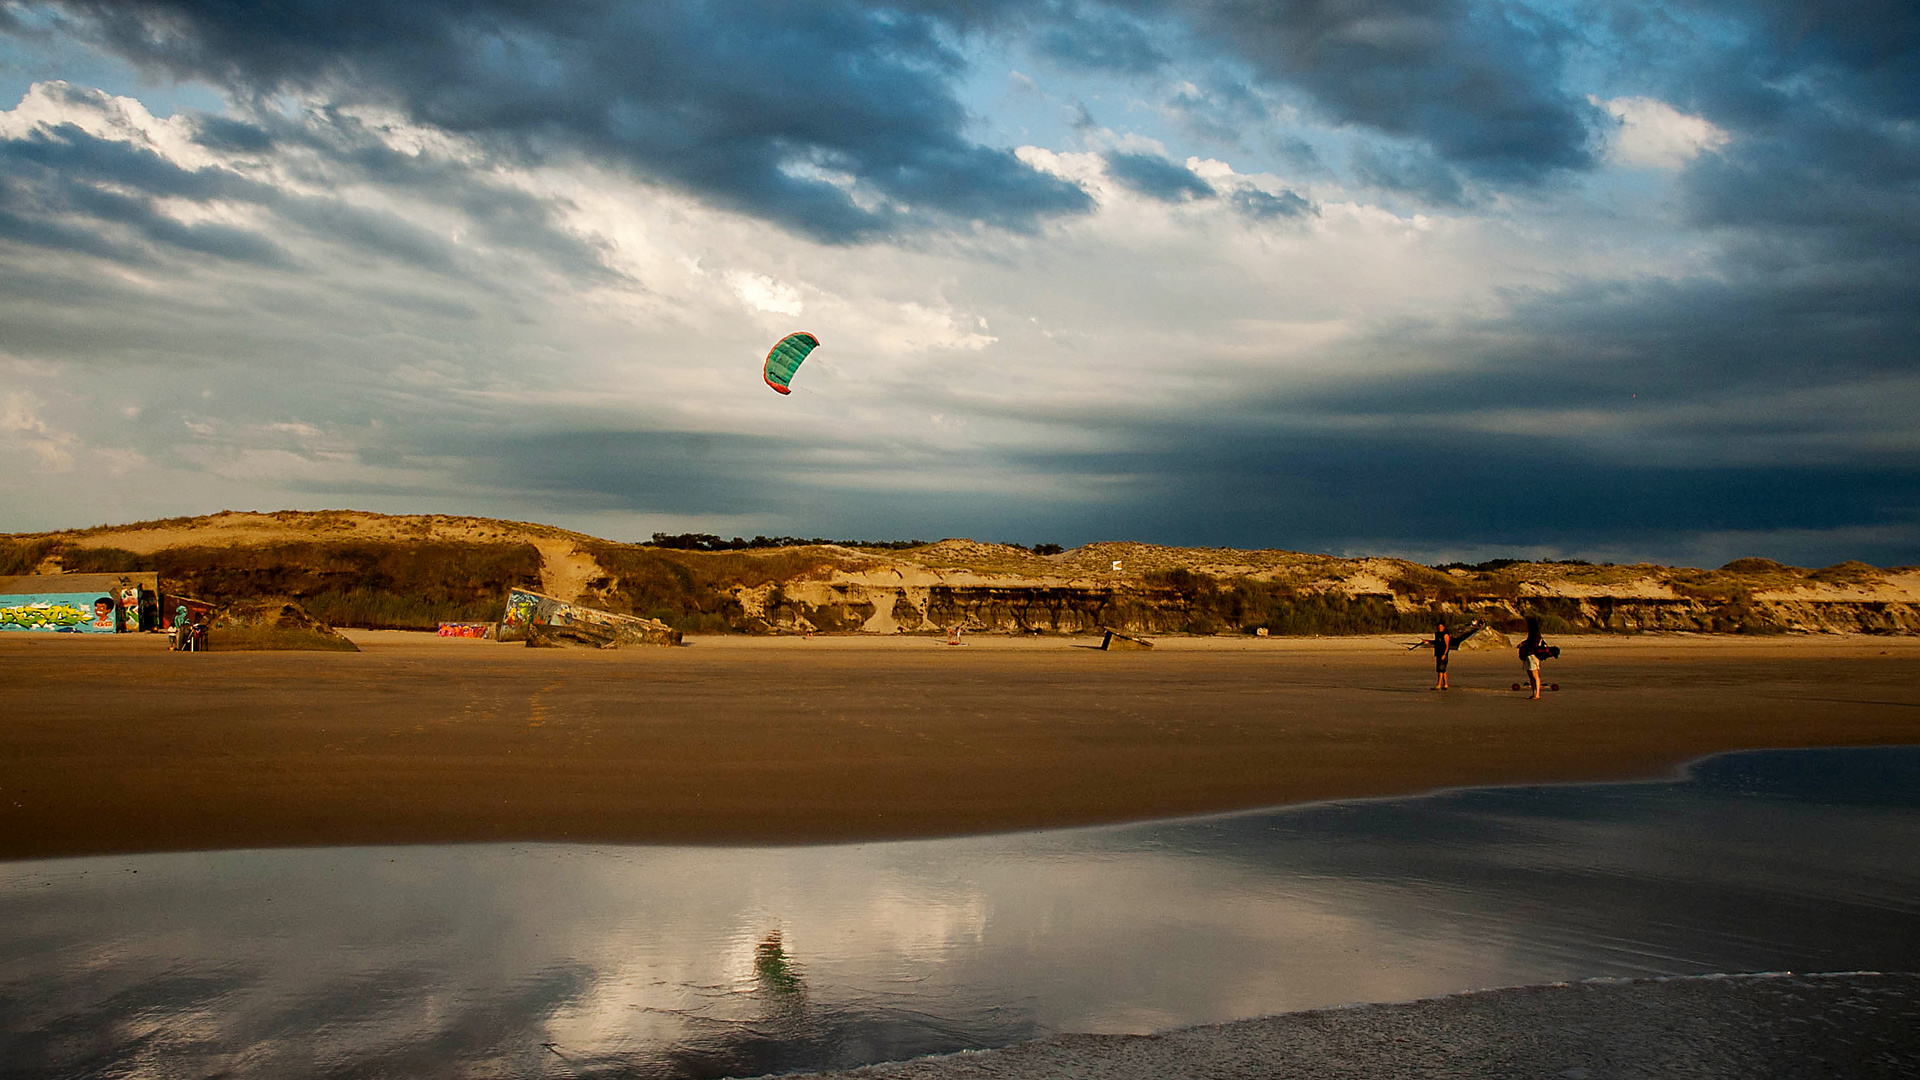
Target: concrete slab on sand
[1861, 1026]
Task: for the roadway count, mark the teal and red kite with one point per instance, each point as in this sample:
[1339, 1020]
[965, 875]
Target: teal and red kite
[785, 359]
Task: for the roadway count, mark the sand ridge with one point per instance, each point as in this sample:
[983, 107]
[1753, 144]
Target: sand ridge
[567, 568]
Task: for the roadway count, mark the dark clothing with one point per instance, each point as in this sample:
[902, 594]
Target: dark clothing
[1442, 646]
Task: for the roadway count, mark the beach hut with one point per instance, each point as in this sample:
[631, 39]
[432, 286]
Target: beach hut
[81, 603]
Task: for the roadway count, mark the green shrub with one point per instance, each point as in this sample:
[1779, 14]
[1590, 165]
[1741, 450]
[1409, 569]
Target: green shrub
[1851, 572]
[25, 556]
[386, 585]
[1753, 565]
[103, 560]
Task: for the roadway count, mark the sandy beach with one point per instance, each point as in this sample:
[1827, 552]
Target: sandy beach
[116, 745]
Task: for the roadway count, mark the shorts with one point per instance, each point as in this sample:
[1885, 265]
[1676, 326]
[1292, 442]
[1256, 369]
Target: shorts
[1440, 664]
[1532, 663]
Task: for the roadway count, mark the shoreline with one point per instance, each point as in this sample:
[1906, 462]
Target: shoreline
[1740, 1025]
[771, 741]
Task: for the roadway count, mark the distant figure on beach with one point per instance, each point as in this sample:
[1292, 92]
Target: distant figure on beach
[1532, 651]
[1442, 647]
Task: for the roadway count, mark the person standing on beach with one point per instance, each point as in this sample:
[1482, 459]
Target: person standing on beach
[1442, 648]
[1530, 651]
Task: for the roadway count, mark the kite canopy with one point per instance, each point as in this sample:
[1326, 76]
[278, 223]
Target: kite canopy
[785, 359]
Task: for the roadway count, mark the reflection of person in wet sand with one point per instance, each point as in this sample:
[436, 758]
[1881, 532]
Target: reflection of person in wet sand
[774, 970]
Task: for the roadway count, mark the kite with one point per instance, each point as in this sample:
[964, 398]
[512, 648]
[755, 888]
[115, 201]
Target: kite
[784, 360]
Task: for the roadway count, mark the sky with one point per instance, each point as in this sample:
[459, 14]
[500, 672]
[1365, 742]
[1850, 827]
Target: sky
[1440, 279]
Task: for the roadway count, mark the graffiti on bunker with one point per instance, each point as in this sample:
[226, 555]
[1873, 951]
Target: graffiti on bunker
[67, 613]
[523, 608]
[531, 615]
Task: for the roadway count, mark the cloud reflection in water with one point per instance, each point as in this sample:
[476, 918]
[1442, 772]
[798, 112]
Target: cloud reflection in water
[547, 960]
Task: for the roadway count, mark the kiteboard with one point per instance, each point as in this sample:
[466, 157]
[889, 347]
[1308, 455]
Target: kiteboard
[1544, 686]
[784, 359]
[1473, 628]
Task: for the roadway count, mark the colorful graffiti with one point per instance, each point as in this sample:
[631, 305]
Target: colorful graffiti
[531, 615]
[465, 629]
[66, 613]
[523, 608]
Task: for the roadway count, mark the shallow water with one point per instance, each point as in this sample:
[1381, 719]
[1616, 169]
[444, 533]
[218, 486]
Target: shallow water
[553, 960]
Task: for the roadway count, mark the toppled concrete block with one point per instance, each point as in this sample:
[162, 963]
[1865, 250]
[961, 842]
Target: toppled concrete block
[1117, 640]
[546, 622]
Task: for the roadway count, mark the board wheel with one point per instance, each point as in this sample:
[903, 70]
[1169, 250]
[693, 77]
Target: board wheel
[1516, 686]
[1555, 686]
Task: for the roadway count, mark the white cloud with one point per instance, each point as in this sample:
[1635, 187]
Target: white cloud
[762, 293]
[1654, 134]
[26, 432]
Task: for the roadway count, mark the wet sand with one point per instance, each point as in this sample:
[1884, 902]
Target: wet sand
[1857, 1026]
[115, 745]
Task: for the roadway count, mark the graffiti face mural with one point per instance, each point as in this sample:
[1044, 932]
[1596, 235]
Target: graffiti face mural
[69, 613]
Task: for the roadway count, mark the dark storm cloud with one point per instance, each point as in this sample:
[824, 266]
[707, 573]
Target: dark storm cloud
[759, 104]
[1415, 171]
[1265, 206]
[35, 230]
[1698, 366]
[63, 187]
[1867, 51]
[1779, 400]
[1819, 99]
[1480, 83]
[1824, 175]
[668, 472]
[71, 151]
[1094, 36]
[230, 136]
[501, 216]
[1431, 489]
[50, 177]
[1157, 178]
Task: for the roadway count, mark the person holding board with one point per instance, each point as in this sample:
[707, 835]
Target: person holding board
[1443, 644]
[1532, 651]
[1442, 648]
